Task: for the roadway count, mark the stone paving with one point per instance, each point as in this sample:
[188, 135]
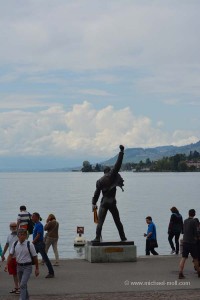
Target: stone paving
[82, 280]
[164, 295]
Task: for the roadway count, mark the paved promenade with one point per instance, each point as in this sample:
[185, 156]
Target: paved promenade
[154, 277]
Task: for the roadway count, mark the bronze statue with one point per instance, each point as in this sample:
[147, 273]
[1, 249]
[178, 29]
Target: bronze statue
[107, 185]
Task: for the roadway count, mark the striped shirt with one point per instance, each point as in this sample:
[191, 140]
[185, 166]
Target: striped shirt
[23, 218]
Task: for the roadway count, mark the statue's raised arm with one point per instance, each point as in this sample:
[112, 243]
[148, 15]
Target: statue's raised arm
[118, 163]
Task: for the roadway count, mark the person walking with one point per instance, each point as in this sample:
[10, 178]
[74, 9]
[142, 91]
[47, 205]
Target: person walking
[198, 238]
[175, 228]
[107, 185]
[23, 218]
[190, 237]
[51, 237]
[11, 268]
[24, 253]
[151, 238]
[38, 241]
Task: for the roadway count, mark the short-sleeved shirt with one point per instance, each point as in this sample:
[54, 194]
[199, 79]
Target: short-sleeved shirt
[190, 231]
[12, 237]
[22, 253]
[151, 228]
[38, 228]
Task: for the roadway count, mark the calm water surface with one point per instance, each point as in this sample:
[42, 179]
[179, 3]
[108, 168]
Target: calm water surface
[68, 196]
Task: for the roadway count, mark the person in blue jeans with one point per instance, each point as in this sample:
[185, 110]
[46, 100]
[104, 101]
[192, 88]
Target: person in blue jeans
[24, 252]
[38, 241]
[150, 236]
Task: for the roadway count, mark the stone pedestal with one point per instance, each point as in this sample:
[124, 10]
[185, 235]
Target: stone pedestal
[110, 252]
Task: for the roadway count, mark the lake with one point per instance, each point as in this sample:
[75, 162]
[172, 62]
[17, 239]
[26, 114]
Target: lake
[68, 196]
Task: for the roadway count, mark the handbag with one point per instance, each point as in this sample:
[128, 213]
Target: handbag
[30, 226]
[153, 243]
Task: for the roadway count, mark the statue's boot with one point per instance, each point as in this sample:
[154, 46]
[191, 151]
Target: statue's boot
[96, 240]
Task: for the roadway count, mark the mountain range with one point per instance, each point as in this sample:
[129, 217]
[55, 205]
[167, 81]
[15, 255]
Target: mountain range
[60, 164]
[141, 154]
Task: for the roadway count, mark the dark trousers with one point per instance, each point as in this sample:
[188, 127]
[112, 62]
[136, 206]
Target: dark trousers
[150, 249]
[170, 239]
[198, 249]
[40, 248]
[101, 218]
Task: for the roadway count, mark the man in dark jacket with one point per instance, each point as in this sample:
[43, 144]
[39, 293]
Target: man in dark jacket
[107, 185]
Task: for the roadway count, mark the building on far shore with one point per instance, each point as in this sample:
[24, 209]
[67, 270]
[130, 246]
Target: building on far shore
[191, 163]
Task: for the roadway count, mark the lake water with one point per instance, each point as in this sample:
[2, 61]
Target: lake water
[68, 196]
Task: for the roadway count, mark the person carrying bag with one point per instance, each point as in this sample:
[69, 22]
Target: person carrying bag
[151, 239]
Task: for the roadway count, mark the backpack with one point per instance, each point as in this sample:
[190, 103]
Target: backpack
[28, 246]
[30, 226]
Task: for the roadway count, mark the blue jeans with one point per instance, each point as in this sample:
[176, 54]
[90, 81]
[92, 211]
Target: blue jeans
[40, 248]
[24, 273]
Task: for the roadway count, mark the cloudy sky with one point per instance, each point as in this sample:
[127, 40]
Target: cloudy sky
[83, 76]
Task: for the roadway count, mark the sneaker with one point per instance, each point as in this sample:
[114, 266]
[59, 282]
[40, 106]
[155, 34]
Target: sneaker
[181, 276]
[173, 252]
[56, 264]
[50, 276]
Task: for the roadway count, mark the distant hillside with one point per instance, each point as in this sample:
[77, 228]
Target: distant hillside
[137, 154]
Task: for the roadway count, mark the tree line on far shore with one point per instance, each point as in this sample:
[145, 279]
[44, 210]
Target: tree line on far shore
[176, 163]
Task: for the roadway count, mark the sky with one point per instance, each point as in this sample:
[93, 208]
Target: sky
[80, 77]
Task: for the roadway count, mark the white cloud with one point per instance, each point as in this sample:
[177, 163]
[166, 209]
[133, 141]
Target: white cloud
[172, 101]
[106, 78]
[53, 52]
[83, 130]
[23, 101]
[90, 35]
[8, 78]
[179, 81]
[156, 37]
[95, 92]
[180, 137]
